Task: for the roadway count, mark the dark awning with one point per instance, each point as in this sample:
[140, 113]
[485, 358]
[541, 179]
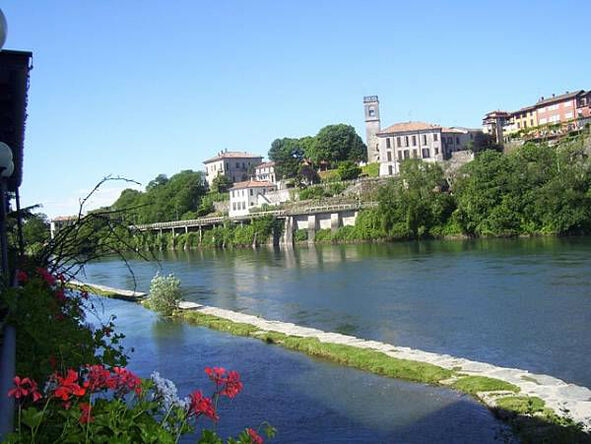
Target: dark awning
[14, 83]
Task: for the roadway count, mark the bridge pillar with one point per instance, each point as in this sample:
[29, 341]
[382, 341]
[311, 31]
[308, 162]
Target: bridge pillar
[173, 232]
[335, 221]
[160, 231]
[311, 228]
[288, 231]
[200, 234]
[186, 229]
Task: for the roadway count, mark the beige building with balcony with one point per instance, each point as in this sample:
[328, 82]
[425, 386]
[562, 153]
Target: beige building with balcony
[232, 164]
[420, 140]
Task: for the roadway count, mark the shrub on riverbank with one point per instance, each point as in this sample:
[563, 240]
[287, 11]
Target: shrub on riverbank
[165, 294]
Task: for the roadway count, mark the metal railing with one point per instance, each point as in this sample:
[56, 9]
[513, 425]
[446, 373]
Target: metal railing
[206, 221]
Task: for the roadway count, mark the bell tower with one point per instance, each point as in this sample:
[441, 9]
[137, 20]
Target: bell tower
[371, 107]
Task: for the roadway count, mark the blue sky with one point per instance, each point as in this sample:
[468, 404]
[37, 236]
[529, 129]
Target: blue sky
[138, 88]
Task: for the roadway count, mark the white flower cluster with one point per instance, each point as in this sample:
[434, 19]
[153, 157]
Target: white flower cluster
[167, 390]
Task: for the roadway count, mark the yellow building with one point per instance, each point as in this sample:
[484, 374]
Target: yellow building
[522, 119]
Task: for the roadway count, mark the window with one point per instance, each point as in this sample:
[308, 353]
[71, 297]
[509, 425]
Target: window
[244, 205]
[406, 154]
[457, 140]
[435, 137]
[388, 142]
[371, 112]
[237, 164]
[426, 153]
[389, 156]
[450, 140]
[234, 206]
[399, 155]
[531, 122]
[398, 142]
[424, 139]
[405, 140]
[251, 204]
[436, 151]
[414, 140]
[524, 124]
[251, 192]
[390, 170]
[243, 165]
[518, 125]
[414, 154]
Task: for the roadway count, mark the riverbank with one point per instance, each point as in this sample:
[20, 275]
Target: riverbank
[539, 407]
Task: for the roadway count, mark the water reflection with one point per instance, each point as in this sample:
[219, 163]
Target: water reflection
[513, 302]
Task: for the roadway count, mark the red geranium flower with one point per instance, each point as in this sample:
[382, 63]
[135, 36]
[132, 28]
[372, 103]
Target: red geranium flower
[23, 388]
[46, 275]
[255, 438]
[68, 386]
[127, 381]
[233, 386]
[85, 416]
[22, 277]
[217, 375]
[99, 378]
[202, 405]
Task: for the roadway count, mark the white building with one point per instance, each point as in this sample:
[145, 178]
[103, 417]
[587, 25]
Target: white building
[265, 172]
[232, 164]
[247, 195]
[60, 222]
[419, 140]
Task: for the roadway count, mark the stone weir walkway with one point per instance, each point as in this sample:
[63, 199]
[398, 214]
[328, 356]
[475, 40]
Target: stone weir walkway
[557, 394]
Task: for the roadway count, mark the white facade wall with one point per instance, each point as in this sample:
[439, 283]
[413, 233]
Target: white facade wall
[243, 199]
[265, 174]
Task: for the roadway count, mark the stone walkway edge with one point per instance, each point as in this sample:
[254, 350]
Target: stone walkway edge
[556, 393]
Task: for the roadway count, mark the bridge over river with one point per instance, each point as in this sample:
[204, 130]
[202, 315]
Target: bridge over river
[311, 218]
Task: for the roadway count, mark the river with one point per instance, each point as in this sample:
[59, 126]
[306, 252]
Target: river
[519, 303]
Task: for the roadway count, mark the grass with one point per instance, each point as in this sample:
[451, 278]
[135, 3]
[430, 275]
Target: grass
[522, 404]
[91, 289]
[475, 384]
[371, 169]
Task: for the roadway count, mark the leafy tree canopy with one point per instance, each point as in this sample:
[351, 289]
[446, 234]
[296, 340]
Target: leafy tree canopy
[165, 198]
[287, 155]
[335, 143]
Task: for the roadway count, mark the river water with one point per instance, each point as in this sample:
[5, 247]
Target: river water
[517, 303]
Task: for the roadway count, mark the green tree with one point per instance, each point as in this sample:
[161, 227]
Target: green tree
[348, 170]
[35, 230]
[221, 184]
[335, 143]
[414, 204]
[287, 155]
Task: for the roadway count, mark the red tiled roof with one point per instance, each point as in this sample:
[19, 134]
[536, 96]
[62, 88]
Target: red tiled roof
[265, 165]
[252, 184]
[233, 155]
[408, 126]
[559, 98]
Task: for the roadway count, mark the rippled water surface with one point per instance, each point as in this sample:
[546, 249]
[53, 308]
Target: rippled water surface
[517, 303]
